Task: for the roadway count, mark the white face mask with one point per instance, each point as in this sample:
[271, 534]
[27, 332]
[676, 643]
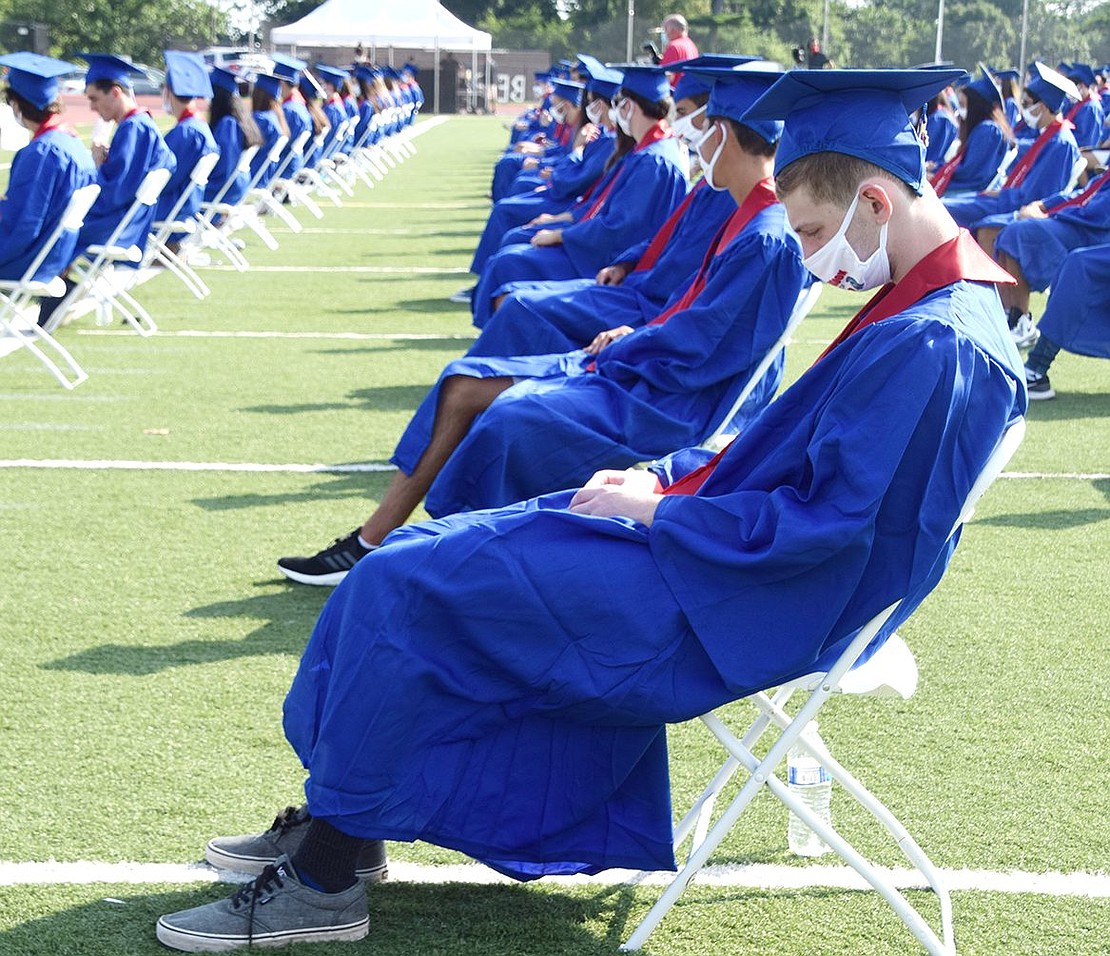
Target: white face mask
[684, 127]
[559, 114]
[624, 123]
[708, 165]
[961, 113]
[1032, 119]
[596, 112]
[836, 262]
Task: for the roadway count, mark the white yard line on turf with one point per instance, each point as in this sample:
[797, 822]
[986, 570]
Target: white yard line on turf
[93, 464]
[761, 876]
[357, 336]
[370, 270]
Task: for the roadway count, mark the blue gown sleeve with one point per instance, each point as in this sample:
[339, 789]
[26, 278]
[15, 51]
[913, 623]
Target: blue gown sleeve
[27, 204]
[986, 147]
[1050, 173]
[229, 142]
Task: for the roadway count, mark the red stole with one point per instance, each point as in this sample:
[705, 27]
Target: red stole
[295, 96]
[1074, 111]
[1089, 193]
[54, 122]
[958, 259]
[761, 196]
[657, 132]
[187, 113]
[663, 236]
[943, 176]
[1022, 166]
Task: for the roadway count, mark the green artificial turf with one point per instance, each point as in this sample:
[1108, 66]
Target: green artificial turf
[146, 639]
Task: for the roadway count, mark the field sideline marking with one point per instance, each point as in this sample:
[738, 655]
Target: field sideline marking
[356, 336]
[759, 875]
[368, 270]
[92, 464]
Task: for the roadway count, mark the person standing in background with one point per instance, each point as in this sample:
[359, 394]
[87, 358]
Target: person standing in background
[679, 45]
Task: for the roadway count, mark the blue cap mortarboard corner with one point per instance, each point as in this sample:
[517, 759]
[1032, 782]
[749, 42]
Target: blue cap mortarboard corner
[187, 75]
[985, 85]
[330, 74]
[607, 83]
[1051, 87]
[649, 82]
[35, 77]
[569, 91]
[108, 66]
[268, 83]
[224, 79]
[734, 91]
[860, 113]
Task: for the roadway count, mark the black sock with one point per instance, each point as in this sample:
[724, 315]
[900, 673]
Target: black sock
[48, 304]
[1013, 315]
[326, 859]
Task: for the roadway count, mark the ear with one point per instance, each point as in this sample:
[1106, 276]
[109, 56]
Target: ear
[875, 197]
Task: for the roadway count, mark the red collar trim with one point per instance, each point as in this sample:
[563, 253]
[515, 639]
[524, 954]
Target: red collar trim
[187, 113]
[659, 130]
[54, 122]
[958, 259]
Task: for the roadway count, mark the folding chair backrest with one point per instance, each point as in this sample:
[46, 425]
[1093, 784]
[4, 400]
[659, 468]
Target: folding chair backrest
[807, 299]
[1077, 170]
[79, 205]
[277, 149]
[151, 187]
[203, 169]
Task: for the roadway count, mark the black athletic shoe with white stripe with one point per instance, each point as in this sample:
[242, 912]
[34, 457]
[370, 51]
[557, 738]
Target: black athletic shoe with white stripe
[329, 566]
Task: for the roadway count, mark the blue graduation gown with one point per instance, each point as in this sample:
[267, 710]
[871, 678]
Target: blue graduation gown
[299, 121]
[189, 140]
[44, 175]
[499, 682]
[1088, 121]
[646, 186]
[943, 130]
[229, 141]
[1076, 317]
[136, 148]
[986, 148]
[1040, 245]
[659, 388]
[567, 315]
[1050, 173]
[270, 129]
[336, 115]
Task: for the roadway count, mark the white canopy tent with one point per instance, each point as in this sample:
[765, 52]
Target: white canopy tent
[378, 24]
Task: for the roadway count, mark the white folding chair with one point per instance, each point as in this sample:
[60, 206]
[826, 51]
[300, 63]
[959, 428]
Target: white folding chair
[873, 676]
[158, 247]
[18, 327]
[208, 234]
[328, 166]
[726, 431]
[310, 177]
[1079, 167]
[1000, 174]
[98, 286]
[283, 186]
[246, 213]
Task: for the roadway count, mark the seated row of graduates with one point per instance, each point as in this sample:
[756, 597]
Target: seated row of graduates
[55, 163]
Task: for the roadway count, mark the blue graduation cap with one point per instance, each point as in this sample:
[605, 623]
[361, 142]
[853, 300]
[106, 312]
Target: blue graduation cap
[310, 86]
[569, 91]
[329, 74]
[1007, 75]
[690, 85]
[284, 71]
[734, 91]
[268, 83]
[711, 61]
[650, 82]
[1050, 87]
[1081, 73]
[986, 87]
[366, 73]
[224, 79]
[412, 68]
[186, 75]
[285, 66]
[35, 77]
[861, 113]
[108, 66]
[590, 65]
[606, 84]
[542, 76]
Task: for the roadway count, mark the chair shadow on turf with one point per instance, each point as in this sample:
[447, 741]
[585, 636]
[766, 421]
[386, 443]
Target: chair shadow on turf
[379, 398]
[367, 487]
[405, 919]
[1058, 519]
[287, 618]
[1070, 405]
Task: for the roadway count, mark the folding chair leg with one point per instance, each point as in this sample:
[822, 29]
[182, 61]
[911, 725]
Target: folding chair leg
[32, 338]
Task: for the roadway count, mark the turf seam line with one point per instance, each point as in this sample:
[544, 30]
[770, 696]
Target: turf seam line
[356, 336]
[369, 270]
[760, 876]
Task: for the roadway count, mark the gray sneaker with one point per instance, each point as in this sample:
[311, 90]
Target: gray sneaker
[254, 852]
[275, 909]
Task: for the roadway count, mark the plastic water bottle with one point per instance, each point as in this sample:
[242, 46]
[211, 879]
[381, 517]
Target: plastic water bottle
[812, 784]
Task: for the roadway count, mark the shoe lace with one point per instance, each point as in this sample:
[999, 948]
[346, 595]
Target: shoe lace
[289, 818]
[248, 894]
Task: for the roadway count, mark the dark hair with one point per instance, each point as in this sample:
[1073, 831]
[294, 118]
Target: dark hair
[979, 110]
[105, 86]
[30, 111]
[1009, 88]
[656, 109]
[749, 140]
[225, 103]
[832, 177]
[624, 145]
[261, 101]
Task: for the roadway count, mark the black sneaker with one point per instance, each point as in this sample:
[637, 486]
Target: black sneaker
[252, 853]
[276, 909]
[1038, 387]
[328, 567]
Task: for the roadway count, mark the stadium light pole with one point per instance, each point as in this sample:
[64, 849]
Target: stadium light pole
[825, 31]
[631, 28]
[1024, 35]
[940, 31]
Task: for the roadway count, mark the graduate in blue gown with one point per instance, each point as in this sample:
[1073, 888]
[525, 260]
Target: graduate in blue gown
[942, 128]
[1044, 167]
[1086, 115]
[270, 118]
[136, 148]
[626, 206]
[297, 119]
[500, 682]
[45, 173]
[335, 111]
[984, 136]
[1076, 318]
[233, 129]
[191, 138]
